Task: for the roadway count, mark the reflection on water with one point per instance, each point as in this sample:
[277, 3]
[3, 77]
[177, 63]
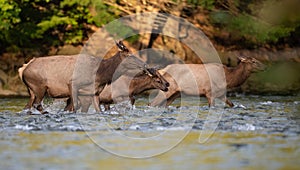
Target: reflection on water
[262, 132]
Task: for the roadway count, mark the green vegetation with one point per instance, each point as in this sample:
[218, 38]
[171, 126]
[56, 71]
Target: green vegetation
[31, 28]
[119, 30]
[40, 24]
[258, 22]
[281, 78]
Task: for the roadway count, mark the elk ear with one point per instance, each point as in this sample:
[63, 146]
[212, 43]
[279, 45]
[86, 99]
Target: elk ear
[162, 72]
[254, 60]
[242, 59]
[121, 46]
[157, 67]
[148, 72]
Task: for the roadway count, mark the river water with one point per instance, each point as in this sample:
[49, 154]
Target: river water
[262, 132]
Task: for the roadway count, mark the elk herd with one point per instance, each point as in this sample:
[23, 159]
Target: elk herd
[84, 80]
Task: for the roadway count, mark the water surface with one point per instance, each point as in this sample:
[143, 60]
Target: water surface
[261, 133]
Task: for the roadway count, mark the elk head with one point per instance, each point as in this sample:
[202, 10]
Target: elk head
[121, 46]
[157, 79]
[130, 64]
[253, 65]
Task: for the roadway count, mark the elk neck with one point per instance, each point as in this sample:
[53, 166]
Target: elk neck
[108, 67]
[140, 84]
[237, 75]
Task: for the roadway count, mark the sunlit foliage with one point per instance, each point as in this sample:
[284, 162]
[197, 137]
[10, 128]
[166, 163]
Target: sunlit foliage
[38, 24]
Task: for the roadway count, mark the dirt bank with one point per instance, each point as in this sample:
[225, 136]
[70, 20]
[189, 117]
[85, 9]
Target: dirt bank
[281, 77]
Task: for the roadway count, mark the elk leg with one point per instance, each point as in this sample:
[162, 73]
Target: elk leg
[159, 99]
[171, 99]
[85, 107]
[69, 106]
[96, 103]
[31, 100]
[106, 107]
[85, 102]
[227, 101]
[39, 96]
[132, 100]
[73, 97]
[210, 100]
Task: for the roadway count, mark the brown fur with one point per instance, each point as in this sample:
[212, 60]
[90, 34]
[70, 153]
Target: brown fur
[55, 76]
[193, 79]
[21, 69]
[126, 87]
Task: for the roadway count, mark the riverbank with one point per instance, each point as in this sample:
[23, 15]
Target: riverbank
[280, 78]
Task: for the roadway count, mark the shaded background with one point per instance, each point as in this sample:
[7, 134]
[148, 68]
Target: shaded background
[268, 30]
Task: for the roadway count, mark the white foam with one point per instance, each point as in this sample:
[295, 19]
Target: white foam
[246, 127]
[71, 128]
[111, 112]
[134, 127]
[161, 128]
[240, 106]
[23, 127]
[266, 103]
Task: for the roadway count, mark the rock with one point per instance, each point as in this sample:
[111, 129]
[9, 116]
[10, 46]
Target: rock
[3, 78]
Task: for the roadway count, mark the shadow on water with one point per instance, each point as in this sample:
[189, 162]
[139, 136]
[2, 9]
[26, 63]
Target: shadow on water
[261, 132]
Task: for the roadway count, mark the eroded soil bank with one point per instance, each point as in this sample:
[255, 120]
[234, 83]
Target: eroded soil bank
[281, 76]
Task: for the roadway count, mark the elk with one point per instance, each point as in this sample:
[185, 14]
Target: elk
[59, 77]
[213, 85]
[126, 87]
